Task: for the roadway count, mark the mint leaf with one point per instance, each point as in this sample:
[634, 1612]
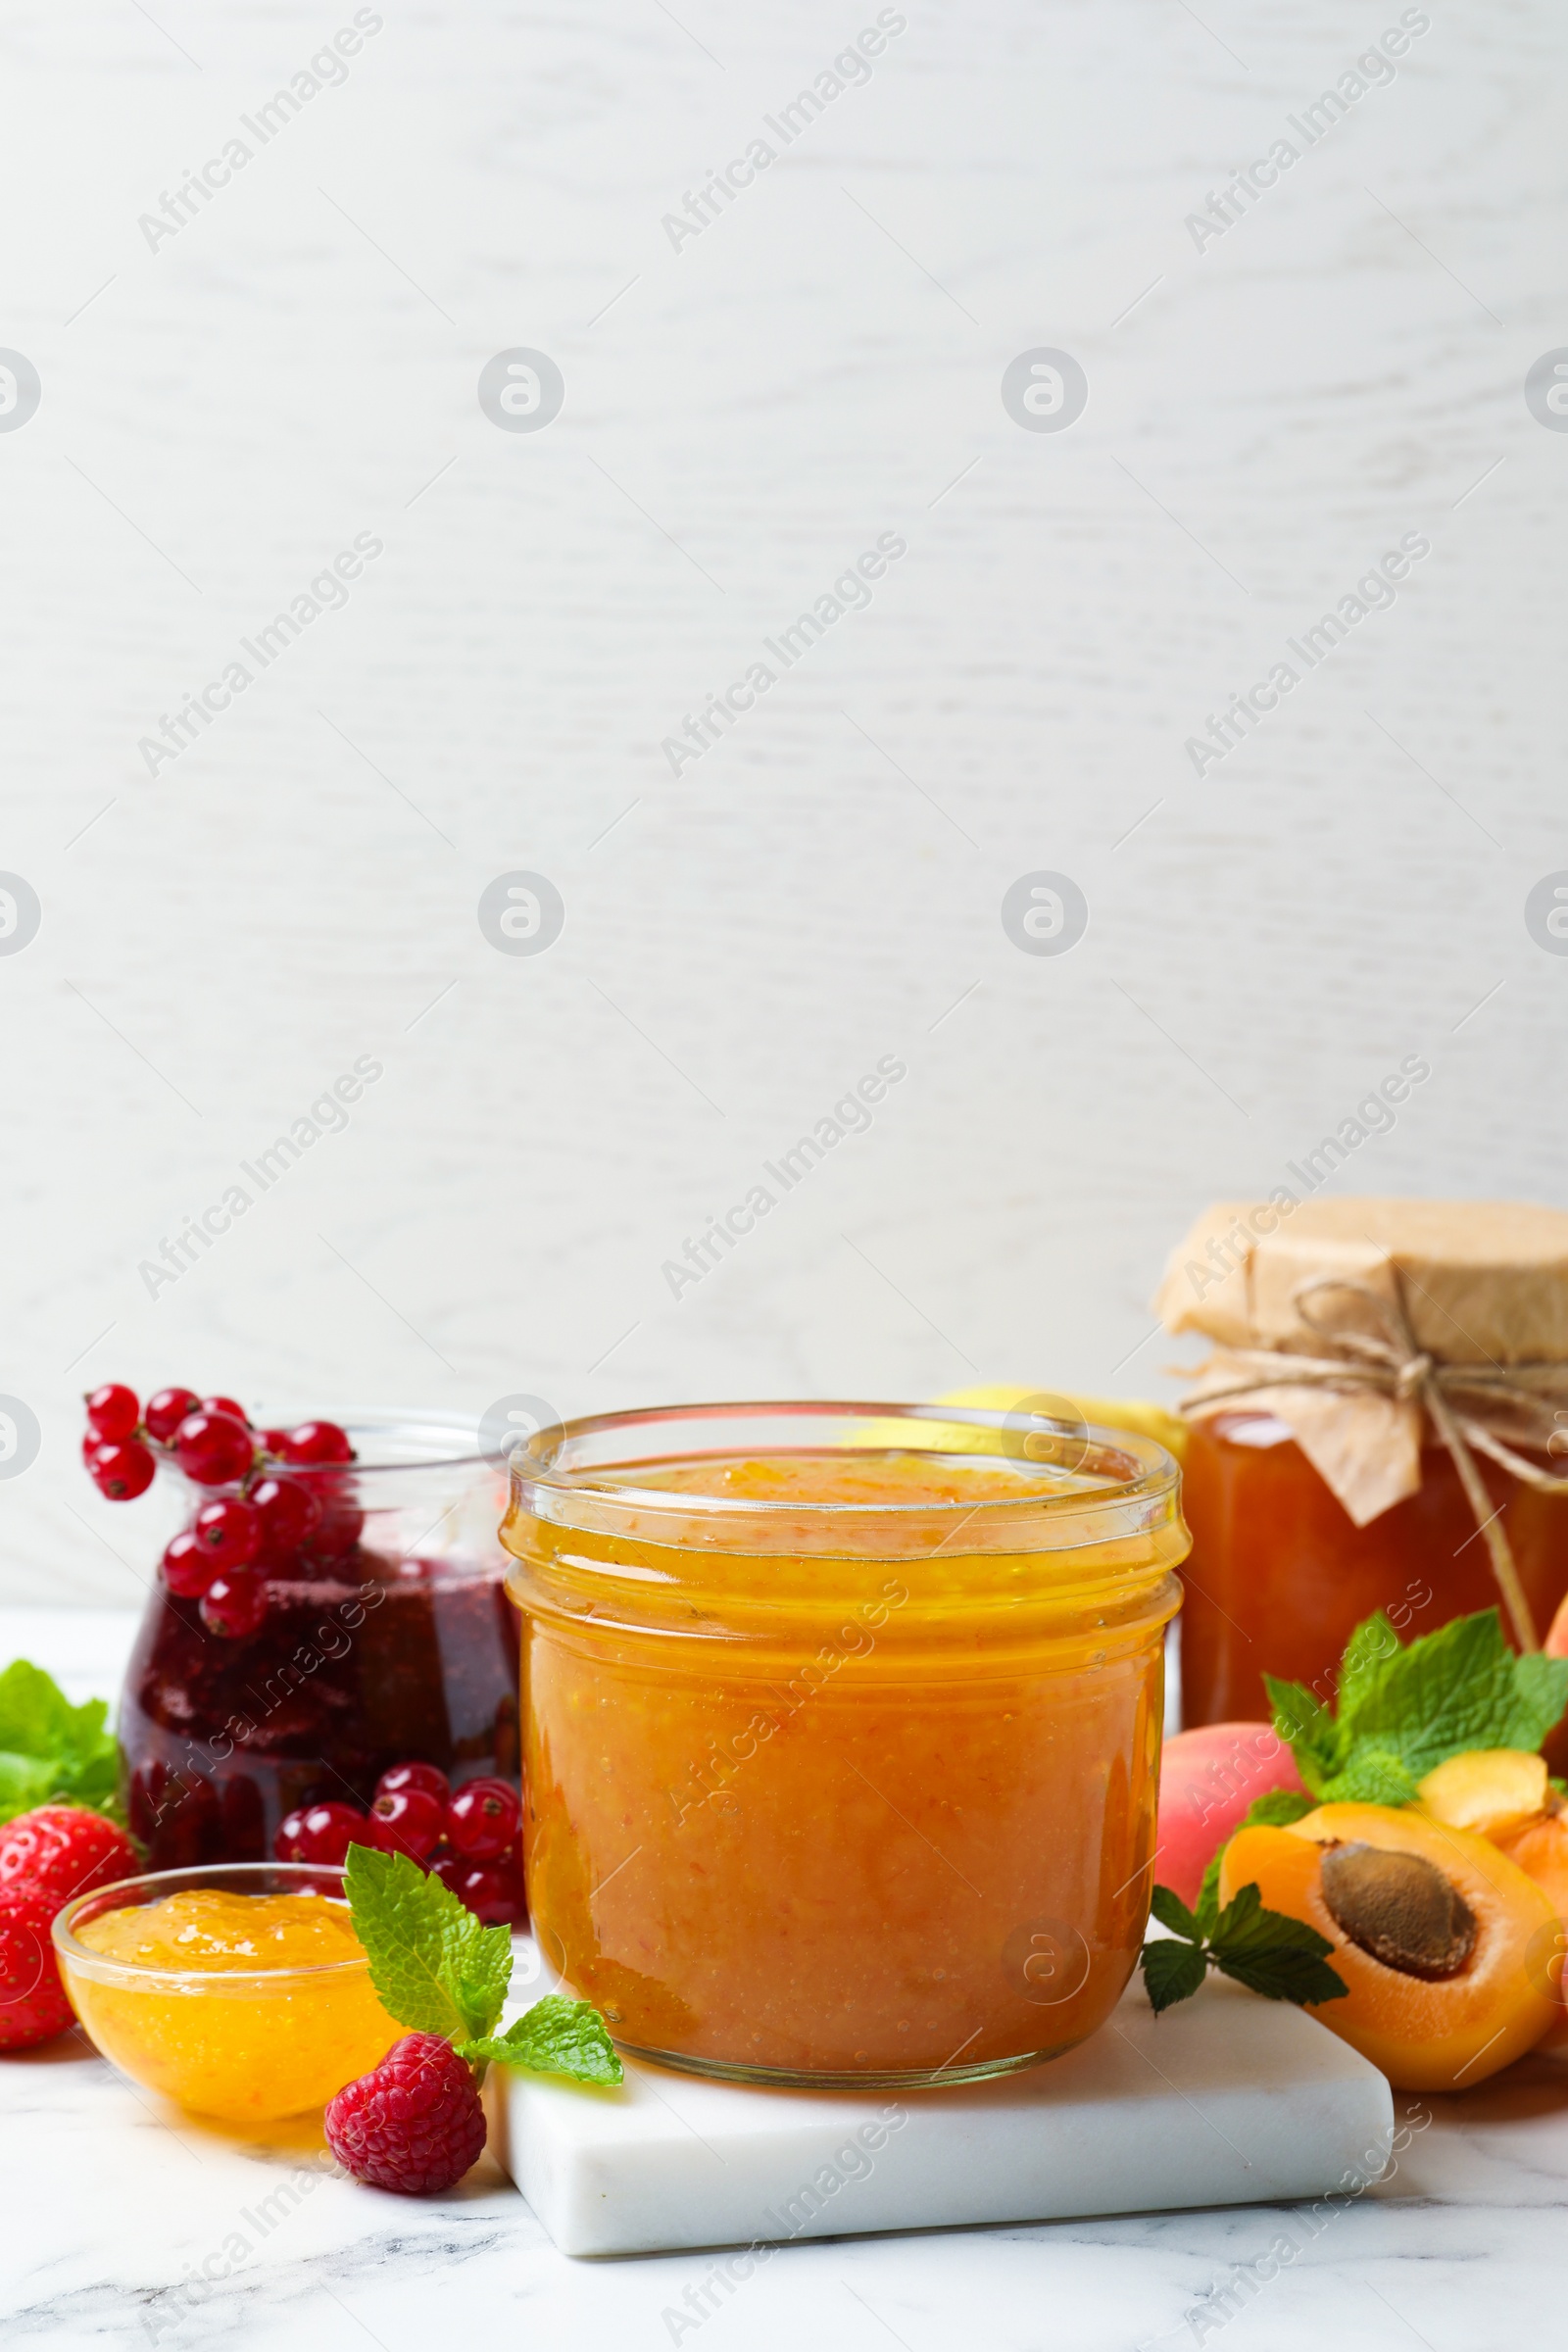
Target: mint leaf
[556, 2037]
[1276, 1809]
[1283, 1958]
[1539, 1699]
[434, 1967]
[1172, 1972]
[1374, 1776]
[1269, 1952]
[1302, 1717]
[50, 1749]
[1366, 1653]
[479, 1961]
[1401, 1712]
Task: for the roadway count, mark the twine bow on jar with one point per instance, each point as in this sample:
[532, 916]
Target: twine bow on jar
[1469, 1406]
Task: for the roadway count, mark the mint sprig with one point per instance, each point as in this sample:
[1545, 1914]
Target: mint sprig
[556, 2037]
[438, 1970]
[50, 1752]
[1269, 1952]
[1402, 1711]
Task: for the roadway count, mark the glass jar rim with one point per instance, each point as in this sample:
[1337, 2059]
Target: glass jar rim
[565, 1474]
[136, 1975]
[435, 1441]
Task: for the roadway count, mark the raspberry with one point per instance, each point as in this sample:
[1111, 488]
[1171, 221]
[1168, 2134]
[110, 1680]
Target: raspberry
[33, 2007]
[413, 2124]
[64, 1850]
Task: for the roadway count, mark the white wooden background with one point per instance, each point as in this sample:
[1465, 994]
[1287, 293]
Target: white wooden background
[222, 415]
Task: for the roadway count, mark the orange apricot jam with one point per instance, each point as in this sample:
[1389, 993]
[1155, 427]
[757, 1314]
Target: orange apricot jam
[243, 2006]
[841, 1748]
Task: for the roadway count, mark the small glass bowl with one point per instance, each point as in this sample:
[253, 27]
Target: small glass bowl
[245, 2045]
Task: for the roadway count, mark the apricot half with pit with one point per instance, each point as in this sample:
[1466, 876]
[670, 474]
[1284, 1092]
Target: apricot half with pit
[1436, 1935]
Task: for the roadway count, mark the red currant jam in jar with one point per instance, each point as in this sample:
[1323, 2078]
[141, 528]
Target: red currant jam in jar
[390, 1640]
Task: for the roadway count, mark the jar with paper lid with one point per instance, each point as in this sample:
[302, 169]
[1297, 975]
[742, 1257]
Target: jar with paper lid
[1383, 1424]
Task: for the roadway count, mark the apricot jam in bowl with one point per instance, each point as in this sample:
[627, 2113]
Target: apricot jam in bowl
[842, 1729]
[241, 1991]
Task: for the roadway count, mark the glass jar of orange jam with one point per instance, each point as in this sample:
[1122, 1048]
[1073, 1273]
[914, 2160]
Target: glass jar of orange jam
[1280, 1575]
[842, 1729]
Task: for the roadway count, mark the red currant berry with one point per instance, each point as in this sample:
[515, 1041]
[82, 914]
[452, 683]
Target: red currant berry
[288, 1513]
[425, 1777]
[484, 1819]
[112, 1413]
[122, 1472]
[229, 1532]
[409, 1822]
[340, 1530]
[274, 1440]
[492, 1890]
[166, 1412]
[234, 1603]
[212, 1449]
[318, 1834]
[315, 1442]
[188, 1568]
[226, 1404]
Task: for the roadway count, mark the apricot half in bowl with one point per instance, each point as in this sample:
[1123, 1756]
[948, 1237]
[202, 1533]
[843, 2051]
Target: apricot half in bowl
[1437, 1935]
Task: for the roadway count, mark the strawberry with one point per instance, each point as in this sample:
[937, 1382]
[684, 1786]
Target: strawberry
[65, 1850]
[33, 2007]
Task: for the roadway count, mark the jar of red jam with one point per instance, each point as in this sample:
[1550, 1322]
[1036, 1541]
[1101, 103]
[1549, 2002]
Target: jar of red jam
[388, 1638]
[842, 1728]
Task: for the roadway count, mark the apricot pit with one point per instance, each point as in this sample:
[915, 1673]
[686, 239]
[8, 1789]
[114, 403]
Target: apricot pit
[1399, 1908]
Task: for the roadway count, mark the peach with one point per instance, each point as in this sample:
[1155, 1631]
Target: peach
[1555, 1645]
[1208, 1780]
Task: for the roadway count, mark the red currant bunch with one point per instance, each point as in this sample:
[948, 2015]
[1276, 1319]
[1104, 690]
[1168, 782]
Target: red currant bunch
[470, 1838]
[119, 1464]
[266, 1521]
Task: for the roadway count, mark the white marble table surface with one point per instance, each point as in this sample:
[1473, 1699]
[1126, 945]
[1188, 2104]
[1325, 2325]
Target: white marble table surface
[130, 2225]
